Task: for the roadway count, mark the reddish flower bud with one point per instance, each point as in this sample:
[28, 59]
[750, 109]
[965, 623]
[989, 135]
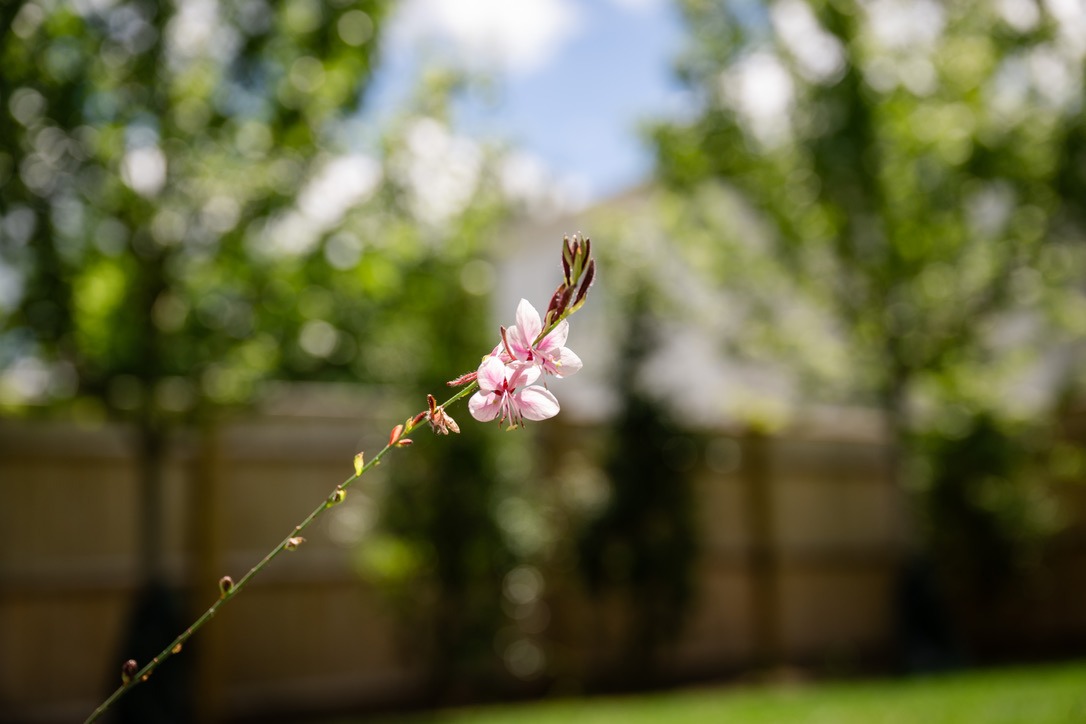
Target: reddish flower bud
[556, 298]
[395, 435]
[589, 277]
[559, 303]
[128, 671]
[581, 251]
[576, 254]
[463, 379]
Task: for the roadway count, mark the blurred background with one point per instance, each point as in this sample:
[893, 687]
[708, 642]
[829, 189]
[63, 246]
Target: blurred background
[833, 411]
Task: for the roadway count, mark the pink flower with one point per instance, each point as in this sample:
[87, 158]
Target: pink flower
[550, 353]
[499, 397]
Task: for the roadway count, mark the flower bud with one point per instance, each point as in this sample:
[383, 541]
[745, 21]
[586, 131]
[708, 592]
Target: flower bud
[226, 585]
[567, 260]
[359, 463]
[338, 496]
[463, 379]
[558, 306]
[589, 277]
[576, 260]
[294, 542]
[396, 438]
[128, 670]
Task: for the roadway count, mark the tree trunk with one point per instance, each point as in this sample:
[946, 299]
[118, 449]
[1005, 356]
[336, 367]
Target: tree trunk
[896, 422]
[151, 451]
[925, 640]
[763, 556]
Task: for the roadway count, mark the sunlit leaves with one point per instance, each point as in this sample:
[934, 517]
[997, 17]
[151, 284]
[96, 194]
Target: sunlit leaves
[100, 293]
[914, 189]
[145, 142]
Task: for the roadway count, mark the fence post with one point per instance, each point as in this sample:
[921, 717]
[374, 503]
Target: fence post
[206, 568]
[763, 557]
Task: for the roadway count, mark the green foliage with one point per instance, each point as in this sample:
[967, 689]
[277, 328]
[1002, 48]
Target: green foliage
[441, 557]
[190, 205]
[986, 510]
[914, 181]
[148, 151]
[910, 176]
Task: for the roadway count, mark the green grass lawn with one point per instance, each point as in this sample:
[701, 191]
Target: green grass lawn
[1037, 695]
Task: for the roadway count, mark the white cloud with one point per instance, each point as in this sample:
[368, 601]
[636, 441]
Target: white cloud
[517, 37]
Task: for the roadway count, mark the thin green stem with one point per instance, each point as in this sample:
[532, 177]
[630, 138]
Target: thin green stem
[287, 543]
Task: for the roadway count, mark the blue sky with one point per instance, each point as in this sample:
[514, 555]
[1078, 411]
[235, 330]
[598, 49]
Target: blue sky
[573, 81]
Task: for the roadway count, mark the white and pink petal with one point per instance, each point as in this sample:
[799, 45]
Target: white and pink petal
[536, 403]
[485, 406]
[556, 338]
[492, 374]
[568, 362]
[529, 325]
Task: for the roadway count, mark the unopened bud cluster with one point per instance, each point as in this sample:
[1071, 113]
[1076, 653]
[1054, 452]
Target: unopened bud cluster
[578, 273]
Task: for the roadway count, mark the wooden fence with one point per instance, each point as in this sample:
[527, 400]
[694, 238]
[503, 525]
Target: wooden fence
[799, 535]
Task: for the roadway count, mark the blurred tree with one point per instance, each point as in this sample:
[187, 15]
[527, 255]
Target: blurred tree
[439, 555]
[910, 171]
[167, 173]
[153, 155]
[438, 552]
[190, 205]
[642, 544]
[981, 515]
